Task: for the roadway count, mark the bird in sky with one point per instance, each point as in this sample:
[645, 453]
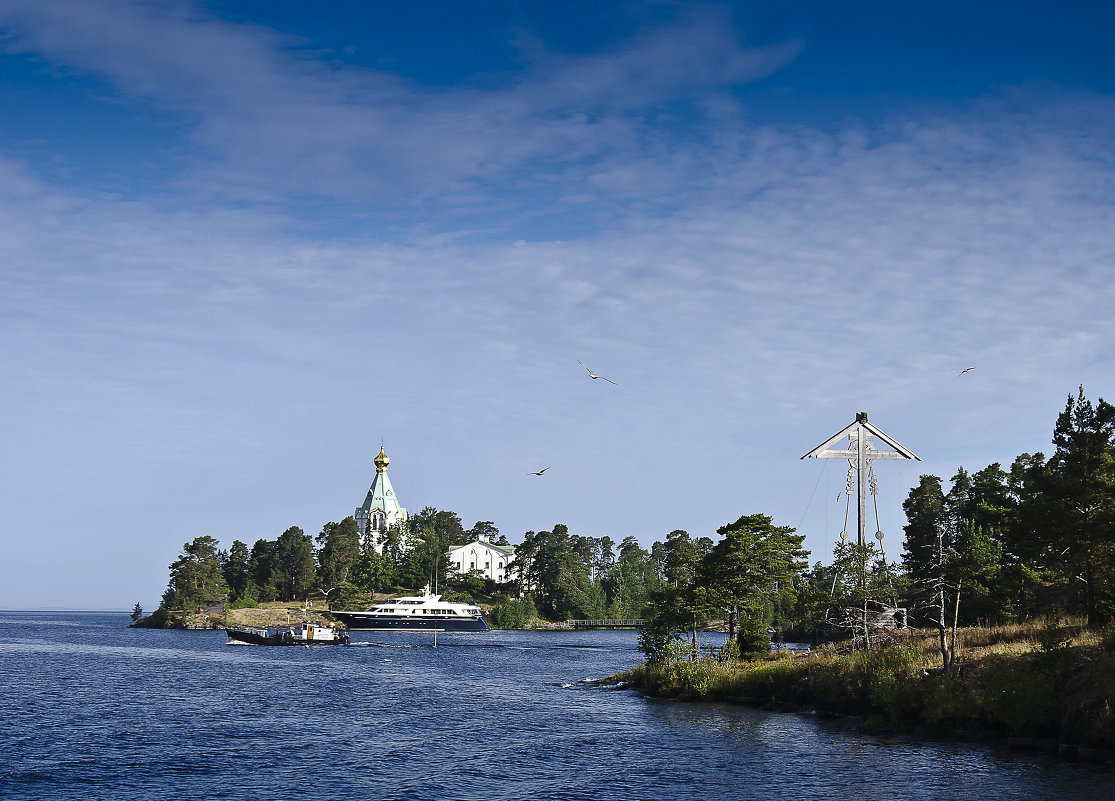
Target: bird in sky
[594, 375]
[962, 372]
[538, 473]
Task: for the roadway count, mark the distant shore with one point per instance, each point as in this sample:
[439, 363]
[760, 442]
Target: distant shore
[272, 616]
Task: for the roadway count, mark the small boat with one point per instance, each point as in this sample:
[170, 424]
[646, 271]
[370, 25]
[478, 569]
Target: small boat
[309, 634]
[424, 612]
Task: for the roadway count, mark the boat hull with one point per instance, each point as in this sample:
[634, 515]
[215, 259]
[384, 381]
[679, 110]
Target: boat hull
[279, 638]
[367, 621]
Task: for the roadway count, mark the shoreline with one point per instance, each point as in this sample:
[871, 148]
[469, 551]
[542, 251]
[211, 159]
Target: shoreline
[1054, 699]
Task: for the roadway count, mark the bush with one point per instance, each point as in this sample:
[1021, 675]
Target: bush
[513, 613]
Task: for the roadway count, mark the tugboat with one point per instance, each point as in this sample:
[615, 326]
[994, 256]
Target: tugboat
[424, 612]
[309, 634]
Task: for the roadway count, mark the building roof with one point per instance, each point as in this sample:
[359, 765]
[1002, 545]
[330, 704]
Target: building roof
[381, 495]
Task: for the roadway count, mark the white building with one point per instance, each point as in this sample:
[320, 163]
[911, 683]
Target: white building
[491, 560]
[380, 510]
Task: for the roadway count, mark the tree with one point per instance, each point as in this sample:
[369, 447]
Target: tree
[682, 555]
[293, 564]
[484, 530]
[630, 584]
[445, 524]
[563, 575]
[744, 570]
[604, 558]
[262, 571]
[137, 613]
[1082, 496]
[339, 551]
[1030, 558]
[524, 570]
[236, 569]
[513, 613]
[925, 518]
[929, 551]
[373, 572]
[860, 578]
[195, 577]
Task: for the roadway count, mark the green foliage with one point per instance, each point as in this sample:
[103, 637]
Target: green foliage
[745, 570]
[1081, 486]
[513, 613]
[248, 599]
[137, 613]
[293, 567]
[348, 595]
[747, 577]
[473, 582]
[236, 569]
[338, 552]
[753, 639]
[1015, 546]
[373, 572]
[195, 578]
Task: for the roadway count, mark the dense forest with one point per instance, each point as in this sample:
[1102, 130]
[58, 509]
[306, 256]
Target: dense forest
[992, 546]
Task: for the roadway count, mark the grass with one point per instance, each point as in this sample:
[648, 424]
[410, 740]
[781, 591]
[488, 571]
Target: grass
[1052, 683]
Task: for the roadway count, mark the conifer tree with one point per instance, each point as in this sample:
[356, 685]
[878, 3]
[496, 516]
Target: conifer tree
[1081, 476]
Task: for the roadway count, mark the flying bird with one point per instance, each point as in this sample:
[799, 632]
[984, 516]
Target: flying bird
[594, 375]
[538, 473]
[962, 372]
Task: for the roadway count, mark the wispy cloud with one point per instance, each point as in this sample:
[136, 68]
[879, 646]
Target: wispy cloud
[748, 287]
[275, 121]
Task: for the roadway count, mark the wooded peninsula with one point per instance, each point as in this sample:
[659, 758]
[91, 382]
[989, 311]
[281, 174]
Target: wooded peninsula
[997, 618]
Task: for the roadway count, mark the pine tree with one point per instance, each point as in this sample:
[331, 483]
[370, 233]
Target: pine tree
[1081, 476]
[195, 577]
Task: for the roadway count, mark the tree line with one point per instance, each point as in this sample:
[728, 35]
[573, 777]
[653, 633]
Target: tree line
[556, 575]
[994, 546]
[338, 562]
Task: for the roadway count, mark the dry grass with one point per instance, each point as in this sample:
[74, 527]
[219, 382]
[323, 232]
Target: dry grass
[1053, 680]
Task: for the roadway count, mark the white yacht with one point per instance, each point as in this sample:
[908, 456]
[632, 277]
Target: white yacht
[424, 612]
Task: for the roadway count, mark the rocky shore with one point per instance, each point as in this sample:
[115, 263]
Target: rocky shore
[263, 618]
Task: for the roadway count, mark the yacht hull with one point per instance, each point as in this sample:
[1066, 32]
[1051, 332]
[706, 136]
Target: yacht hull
[367, 621]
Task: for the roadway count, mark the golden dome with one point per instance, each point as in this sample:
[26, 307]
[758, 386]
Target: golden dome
[381, 460]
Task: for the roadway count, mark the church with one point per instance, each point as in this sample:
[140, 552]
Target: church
[380, 510]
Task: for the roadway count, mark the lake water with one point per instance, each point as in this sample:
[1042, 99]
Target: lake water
[91, 709]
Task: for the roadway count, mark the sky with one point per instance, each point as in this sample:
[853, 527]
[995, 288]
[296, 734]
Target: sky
[243, 244]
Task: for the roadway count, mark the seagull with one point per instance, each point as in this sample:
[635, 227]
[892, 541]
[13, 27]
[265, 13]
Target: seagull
[962, 372]
[540, 472]
[592, 374]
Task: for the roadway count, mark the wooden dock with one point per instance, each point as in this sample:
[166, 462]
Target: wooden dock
[632, 623]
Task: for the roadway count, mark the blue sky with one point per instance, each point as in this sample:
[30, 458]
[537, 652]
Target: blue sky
[242, 243]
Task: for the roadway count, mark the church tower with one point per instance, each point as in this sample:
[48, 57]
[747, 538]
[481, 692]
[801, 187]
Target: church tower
[380, 510]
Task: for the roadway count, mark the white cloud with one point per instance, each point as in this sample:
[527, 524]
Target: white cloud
[276, 121]
[754, 287]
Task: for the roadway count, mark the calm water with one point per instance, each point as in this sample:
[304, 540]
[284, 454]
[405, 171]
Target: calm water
[92, 709]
